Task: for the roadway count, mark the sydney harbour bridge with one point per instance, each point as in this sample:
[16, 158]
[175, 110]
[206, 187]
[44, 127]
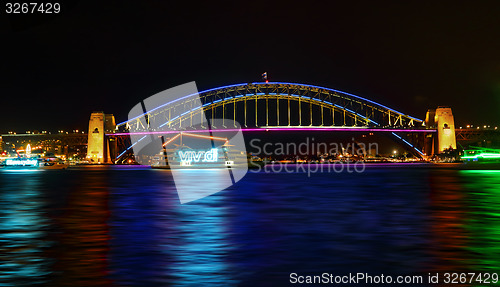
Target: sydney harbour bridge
[276, 107]
[271, 107]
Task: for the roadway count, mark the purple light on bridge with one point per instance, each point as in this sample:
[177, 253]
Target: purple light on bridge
[287, 129]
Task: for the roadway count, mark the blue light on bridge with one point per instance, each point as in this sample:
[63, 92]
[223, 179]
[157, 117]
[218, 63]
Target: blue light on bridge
[162, 125]
[408, 143]
[131, 146]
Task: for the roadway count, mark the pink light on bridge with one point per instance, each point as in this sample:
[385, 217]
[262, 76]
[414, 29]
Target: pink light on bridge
[280, 129]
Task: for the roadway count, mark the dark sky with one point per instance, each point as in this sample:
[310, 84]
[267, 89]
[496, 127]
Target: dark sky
[108, 56]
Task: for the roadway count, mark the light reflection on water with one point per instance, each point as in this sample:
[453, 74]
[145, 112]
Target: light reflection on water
[82, 232]
[483, 222]
[203, 248]
[23, 231]
[125, 226]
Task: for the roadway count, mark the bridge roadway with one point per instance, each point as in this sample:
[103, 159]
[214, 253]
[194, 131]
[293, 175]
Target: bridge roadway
[261, 129]
[283, 129]
[70, 138]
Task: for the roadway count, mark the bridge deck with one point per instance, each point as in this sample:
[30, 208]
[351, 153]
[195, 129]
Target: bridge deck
[308, 129]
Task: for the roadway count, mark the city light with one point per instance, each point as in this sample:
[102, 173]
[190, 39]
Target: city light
[28, 151]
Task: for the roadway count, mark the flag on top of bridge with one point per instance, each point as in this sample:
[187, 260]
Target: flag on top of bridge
[264, 76]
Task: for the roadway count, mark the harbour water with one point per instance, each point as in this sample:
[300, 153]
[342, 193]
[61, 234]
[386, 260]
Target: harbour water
[124, 226]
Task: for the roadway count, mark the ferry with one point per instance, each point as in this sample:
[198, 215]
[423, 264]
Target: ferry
[25, 159]
[481, 155]
[21, 162]
[39, 163]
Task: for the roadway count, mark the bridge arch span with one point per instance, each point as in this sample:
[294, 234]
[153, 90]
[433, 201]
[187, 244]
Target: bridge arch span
[274, 104]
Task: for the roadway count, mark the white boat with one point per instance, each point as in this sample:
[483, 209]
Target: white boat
[59, 164]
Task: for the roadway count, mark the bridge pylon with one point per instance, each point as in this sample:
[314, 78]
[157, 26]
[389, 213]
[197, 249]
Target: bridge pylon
[442, 120]
[101, 149]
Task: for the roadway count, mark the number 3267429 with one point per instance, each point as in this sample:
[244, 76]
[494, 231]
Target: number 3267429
[32, 8]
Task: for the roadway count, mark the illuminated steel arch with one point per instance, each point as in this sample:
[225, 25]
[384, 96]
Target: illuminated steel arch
[274, 104]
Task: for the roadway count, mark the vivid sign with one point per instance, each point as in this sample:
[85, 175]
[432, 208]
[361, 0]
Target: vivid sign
[197, 156]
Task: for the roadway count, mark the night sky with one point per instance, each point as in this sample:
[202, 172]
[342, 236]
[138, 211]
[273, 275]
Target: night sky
[56, 70]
